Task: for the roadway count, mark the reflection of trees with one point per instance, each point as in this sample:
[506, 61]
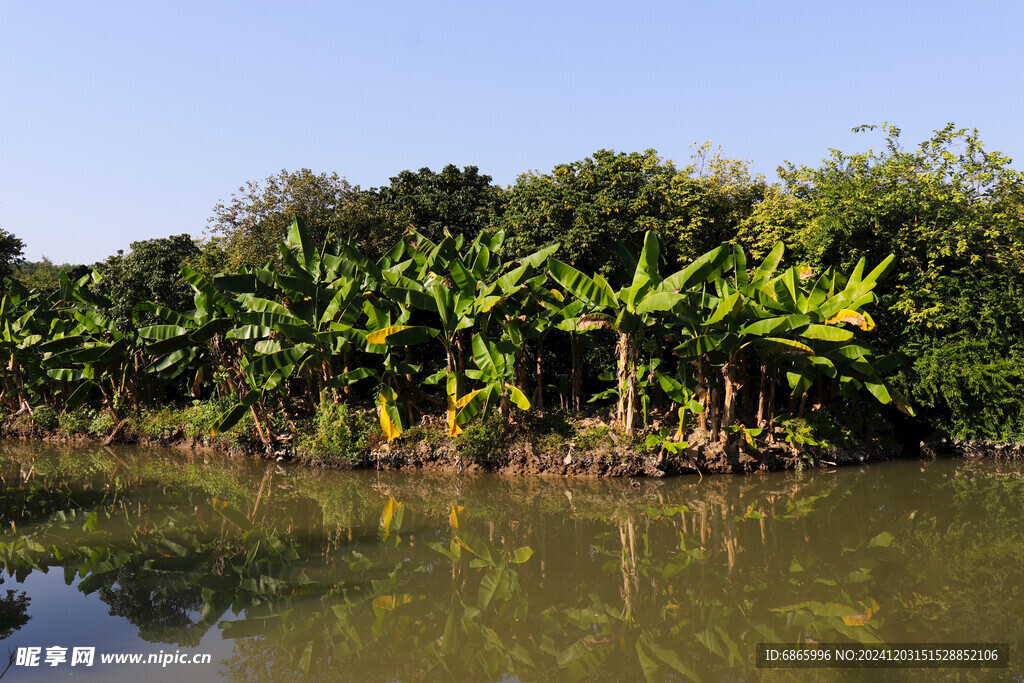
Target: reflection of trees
[966, 570]
[618, 583]
[13, 612]
[171, 562]
[158, 603]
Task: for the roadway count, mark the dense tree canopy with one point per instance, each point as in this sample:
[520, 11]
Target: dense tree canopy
[11, 248]
[953, 213]
[150, 272]
[607, 201]
[44, 274]
[465, 202]
[950, 211]
[594, 205]
[248, 227]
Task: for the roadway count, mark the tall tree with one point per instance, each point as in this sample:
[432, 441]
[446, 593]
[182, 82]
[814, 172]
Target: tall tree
[462, 201]
[595, 206]
[44, 274]
[11, 249]
[150, 272]
[953, 213]
[248, 227]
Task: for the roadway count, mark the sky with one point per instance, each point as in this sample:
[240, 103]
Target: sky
[124, 121]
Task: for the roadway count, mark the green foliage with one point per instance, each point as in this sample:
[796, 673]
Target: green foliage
[972, 392]
[155, 424]
[953, 213]
[45, 418]
[595, 206]
[590, 206]
[201, 416]
[593, 438]
[482, 440]
[498, 297]
[149, 273]
[340, 431]
[102, 423]
[171, 421]
[76, 421]
[800, 432]
[463, 202]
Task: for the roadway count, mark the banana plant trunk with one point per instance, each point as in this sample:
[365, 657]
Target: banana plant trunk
[626, 408]
[745, 400]
[577, 378]
[731, 390]
[538, 390]
[704, 395]
[766, 395]
[261, 427]
[522, 381]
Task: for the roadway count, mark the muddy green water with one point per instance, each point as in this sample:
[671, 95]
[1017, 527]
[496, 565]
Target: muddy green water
[279, 573]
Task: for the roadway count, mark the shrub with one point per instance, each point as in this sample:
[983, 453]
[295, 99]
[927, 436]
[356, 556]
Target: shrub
[341, 431]
[482, 440]
[198, 420]
[550, 443]
[970, 390]
[76, 421]
[155, 423]
[45, 418]
[593, 437]
[102, 423]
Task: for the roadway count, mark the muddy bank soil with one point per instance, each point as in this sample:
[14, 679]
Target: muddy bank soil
[526, 454]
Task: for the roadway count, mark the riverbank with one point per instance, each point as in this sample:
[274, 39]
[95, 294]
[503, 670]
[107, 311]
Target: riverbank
[554, 445]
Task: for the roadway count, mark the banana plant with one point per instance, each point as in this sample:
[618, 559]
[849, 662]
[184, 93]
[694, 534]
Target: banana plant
[86, 350]
[831, 313]
[193, 342]
[297, 321]
[24, 320]
[387, 334]
[495, 370]
[758, 315]
[633, 311]
[729, 324]
[465, 290]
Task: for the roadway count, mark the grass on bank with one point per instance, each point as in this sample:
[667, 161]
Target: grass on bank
[348, 434]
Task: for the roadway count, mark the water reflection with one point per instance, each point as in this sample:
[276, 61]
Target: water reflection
[380, 576]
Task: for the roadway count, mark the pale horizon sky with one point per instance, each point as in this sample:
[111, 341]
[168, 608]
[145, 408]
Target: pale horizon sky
[124, 121]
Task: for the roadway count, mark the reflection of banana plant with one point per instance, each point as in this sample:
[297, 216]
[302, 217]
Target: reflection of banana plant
[196, 555]
[649, 588]
[467, 635]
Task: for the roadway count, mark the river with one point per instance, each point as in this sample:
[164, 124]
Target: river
[279, 572]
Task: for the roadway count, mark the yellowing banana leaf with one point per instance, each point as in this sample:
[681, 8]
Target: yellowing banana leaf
[387, 410]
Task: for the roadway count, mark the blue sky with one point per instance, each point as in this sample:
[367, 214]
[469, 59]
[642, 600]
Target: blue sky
[122, 121]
